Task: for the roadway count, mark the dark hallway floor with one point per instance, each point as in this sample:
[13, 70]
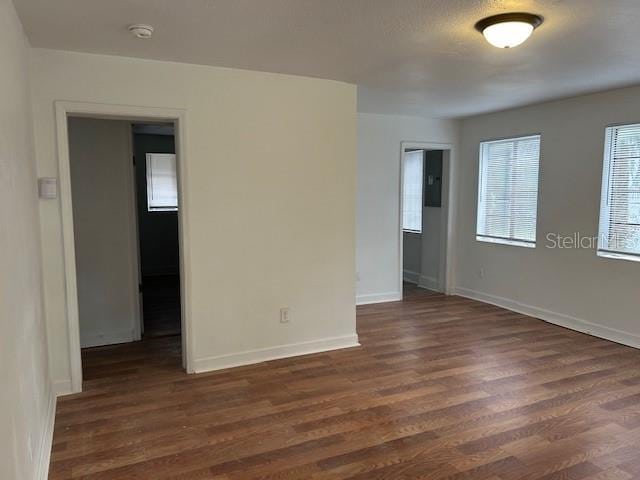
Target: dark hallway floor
[161, 305]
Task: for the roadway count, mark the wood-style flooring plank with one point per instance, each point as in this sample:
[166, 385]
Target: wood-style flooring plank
[441, 388]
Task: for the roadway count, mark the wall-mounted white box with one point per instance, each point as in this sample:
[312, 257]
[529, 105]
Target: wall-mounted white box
[48, 188]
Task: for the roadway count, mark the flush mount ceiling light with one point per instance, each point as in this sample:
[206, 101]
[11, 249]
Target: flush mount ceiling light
[140, 30]
[508, 30]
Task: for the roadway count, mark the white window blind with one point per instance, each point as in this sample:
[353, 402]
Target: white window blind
[620, 200]
[508, 191]
[162, 182]
[412, 191]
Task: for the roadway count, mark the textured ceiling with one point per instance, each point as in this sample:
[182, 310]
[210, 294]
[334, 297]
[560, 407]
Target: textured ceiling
[420, 57]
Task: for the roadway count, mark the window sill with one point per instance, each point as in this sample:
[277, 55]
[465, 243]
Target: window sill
[619, 256]
[504, 241]
[415, 232]
[162, 210]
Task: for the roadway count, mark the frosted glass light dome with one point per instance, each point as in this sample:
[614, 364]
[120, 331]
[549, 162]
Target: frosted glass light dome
[508, 30]
[507, 34]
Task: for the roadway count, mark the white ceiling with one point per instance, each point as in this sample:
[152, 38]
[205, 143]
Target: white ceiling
[420, 57]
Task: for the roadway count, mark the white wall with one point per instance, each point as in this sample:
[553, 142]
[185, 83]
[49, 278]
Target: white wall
[26, 399]
[571, 287]
[421, 251]
[411, 256]
[432, 225]
[270, 174]
[104, 230]
[378, 197]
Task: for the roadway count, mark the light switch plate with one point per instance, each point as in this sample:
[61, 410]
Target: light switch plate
[48, 188]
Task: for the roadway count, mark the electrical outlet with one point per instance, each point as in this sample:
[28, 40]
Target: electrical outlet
[284, 315]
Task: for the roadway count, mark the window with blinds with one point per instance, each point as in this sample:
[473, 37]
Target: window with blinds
[508, 191]
[412, 173]
[162, 182]
[619, 235]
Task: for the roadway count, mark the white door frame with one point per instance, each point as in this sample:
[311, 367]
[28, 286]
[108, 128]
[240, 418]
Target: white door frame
[63, 110]
[135, 226]
[447, 239]
[134, 237]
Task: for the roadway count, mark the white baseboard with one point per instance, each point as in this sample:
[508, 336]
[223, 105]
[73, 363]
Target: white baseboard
[560, 319]
[378, 298]
[62, 387]
[43, 455]
[411, 276]
[430, 283]
[109, 338]
[274, 353]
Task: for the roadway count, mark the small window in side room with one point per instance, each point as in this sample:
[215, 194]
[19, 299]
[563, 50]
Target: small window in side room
[619, 235]
[412, 173]
[162, 182]
[508, 191]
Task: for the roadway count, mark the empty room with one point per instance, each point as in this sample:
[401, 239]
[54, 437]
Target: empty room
[319, 239]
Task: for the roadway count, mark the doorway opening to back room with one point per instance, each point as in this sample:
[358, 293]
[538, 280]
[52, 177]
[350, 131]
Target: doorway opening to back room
[157, 209]
[423, 219]
[124, 191]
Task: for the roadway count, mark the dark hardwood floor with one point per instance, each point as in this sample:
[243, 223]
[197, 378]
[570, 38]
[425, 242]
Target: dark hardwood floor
[442, 388]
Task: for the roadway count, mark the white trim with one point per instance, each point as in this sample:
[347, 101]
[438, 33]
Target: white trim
[273, 353]
[448, 239]
[603, 221]
[378, 298]
[62, 387]
[411, 276]
[135, 245]
[68, 241]
[134, 235]
[560, 319]
[631, 257]
[505, 241]
[43, 456]
[64, 109]
[430, 283]
[107, 338]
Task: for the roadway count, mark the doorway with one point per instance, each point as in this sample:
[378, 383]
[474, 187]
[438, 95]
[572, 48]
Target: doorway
[157, 214]
[112, 175]
[125, 211]
[424, 217]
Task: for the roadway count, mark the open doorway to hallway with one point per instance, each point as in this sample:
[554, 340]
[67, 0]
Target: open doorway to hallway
[125, 207]
[424, 218]
[157, 212]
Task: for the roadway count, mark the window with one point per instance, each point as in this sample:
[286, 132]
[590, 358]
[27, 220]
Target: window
[619, 235]
[508, 191]
[412, 191]
[162, 184]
